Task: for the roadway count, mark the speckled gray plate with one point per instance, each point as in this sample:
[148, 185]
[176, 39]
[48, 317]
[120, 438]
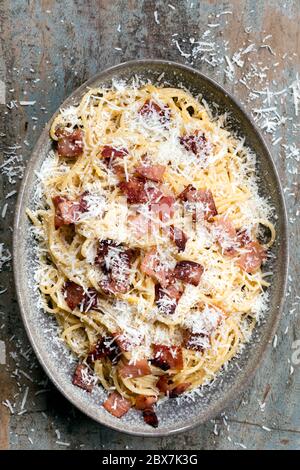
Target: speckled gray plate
[41, 327]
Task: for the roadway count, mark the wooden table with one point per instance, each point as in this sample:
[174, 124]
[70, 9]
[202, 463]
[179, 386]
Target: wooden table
[47, 49]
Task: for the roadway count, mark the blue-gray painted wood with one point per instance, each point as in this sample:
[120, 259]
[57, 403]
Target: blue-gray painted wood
[62, 43]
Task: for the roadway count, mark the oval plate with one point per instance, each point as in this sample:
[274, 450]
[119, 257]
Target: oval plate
[42, 328]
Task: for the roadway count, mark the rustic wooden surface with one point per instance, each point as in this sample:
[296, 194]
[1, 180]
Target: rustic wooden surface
[47, 49]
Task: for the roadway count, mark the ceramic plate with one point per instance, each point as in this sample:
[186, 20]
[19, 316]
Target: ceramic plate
[41, 327]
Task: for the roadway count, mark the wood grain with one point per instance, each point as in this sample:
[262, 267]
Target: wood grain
[48, 48]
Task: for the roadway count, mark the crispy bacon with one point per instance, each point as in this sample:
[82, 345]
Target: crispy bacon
[138, 369]
[163, 208]
[109, 152]
[90, 300]
[106, 347]
[69, 144]
[179, 390]
[68, 212]
[151, 266]
[58, 220]
[113, 159]
[115, 262]
[164, 384]
[141, 191]
[254, 255]
[65, 211]
[201, 202]
[134, 189]
[188, 271]
[83, 378]
[125, 343]
[196, 341]
[117, 405]
[226, 236]
[151, 172]
[189, 193]
[103, 250]
[75, 296]
[243, 237]
[111, 286]
[83, 202]
[178, 237]
[143, 402]
[167, 357]
[73, 293]
[151, 108]
[196, 143]
[167, 299]
[150, 417]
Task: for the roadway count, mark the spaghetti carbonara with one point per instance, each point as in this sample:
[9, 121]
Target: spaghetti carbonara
[150, 253]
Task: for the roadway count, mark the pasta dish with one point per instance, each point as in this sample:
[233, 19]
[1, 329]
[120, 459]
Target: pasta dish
[151, 245]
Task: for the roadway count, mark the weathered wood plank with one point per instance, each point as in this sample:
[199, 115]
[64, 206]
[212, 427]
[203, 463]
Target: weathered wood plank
[50, 47]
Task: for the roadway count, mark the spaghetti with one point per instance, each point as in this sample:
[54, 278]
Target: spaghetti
[149, 225]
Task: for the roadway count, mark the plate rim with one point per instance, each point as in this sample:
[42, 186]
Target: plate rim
[241, 384]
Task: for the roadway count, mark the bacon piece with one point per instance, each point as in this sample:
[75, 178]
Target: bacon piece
[151, 172]
[103, 249]
[117, 405]
[189, 193]
[243, 237]
[110, 286]
[178, 237]
[163, 207]
[196, 341]
[206, 207]
[82, 202]
[179, 390]
[73, 293]
[113, 159]
[226, 236]
[65, 211]
[69, 144]
[150, 417]
[196, 143]
[203, 202]
[188, 271]
[75, 296]
[167, 299]
[164, 384]
[83, 378]
[68, 212]
[115, 262]
[138, 369]
[109, 152]
[139, 191]
[254, 255]
[167, 357]
[89, 301]
[126, 343]
[151, 108]
[134, 191]
[143, 402]
[152, 267]
[58, 220]
[106, 347]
